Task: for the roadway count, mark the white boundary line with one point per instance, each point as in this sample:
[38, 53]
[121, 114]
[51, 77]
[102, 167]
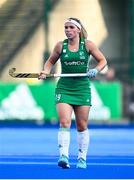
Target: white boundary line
[54, 163]
[70, 179]
[53, 157]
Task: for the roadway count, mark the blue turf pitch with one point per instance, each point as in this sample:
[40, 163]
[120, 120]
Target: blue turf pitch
[32, 153]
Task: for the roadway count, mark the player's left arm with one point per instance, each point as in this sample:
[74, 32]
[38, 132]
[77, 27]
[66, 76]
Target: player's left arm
[97, 54]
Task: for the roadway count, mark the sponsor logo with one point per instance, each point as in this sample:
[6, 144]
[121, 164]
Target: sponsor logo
[74, 63]
[66, 56]
[20, 104]
[64, 50]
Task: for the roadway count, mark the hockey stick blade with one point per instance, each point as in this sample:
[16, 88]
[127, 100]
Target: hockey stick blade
[13, 74]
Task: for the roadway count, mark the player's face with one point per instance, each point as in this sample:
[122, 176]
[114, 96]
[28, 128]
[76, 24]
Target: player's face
[71, 30]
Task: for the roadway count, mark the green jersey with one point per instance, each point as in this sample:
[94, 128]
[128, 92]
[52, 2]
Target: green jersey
[74, 90]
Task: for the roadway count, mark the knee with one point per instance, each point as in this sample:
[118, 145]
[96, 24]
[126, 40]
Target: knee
[81, 128]
[65, 123]
[82, 125]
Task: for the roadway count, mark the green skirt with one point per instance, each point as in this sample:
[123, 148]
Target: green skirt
[73, 91]
[81, 99]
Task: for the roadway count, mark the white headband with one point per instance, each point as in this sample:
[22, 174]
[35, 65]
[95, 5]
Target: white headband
[73, 22]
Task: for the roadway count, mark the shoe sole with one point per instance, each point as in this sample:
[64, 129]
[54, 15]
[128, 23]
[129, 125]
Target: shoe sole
[78, 167]
[63, 164]
[81, 167]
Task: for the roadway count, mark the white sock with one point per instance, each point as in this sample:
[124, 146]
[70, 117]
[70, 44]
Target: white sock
[64, 141]
[83, 143]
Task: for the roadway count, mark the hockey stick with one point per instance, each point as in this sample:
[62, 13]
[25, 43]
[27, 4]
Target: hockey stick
[12, 73]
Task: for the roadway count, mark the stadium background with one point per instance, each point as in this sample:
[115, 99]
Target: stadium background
[28, 33]
[29, 30]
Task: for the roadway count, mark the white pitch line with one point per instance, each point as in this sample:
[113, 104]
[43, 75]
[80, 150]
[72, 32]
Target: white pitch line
[53, 163]
[51, 157]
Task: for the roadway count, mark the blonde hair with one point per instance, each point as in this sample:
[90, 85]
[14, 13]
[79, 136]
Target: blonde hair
[83, 33]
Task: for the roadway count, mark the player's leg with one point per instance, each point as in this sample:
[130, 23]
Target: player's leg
[81, 114]
[64, 112]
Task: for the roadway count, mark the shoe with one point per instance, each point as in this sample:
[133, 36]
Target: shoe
[81, 163]
[63, 162]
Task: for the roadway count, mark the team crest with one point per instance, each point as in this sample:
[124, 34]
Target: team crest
[81, 53]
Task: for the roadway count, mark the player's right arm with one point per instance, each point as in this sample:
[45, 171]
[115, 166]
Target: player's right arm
[53, 58]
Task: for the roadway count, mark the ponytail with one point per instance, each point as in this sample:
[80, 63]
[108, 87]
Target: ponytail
[83, 33]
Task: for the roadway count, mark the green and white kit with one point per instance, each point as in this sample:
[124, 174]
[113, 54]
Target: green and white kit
[74, 90]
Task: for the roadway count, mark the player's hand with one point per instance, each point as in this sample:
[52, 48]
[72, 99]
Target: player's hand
[92, 73]
[42, 75]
